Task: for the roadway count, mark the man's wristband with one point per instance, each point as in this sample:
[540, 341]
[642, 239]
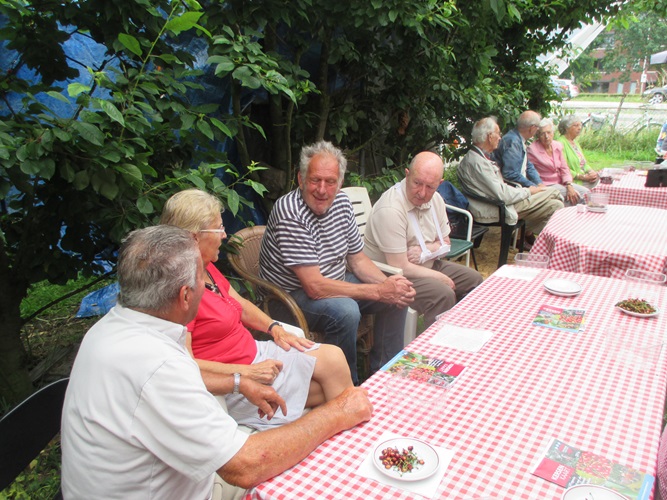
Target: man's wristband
[275, 323]
[237, 383]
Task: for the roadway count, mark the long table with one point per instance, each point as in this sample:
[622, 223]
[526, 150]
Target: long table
[526, 385]
[629, 189]
[605, 244]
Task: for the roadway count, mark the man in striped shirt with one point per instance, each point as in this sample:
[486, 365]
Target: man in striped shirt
[310, 240]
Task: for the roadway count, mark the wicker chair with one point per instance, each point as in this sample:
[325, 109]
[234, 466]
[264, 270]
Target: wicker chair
[245, 262]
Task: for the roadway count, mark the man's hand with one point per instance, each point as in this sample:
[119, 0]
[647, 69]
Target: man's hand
[287, 340]
[572, 196]
[414, 254]
[352, 407]
[265, 398]
[397, 290]
[264, 372]
[447, 281]
[537, 189]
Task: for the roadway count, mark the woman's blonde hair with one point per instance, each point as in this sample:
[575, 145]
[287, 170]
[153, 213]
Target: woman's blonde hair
[192, 210]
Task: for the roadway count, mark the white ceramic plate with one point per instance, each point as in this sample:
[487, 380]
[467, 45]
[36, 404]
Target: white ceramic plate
[563, 288]
[591, 492]
[597, 209]
[638, 315]
[423, 451]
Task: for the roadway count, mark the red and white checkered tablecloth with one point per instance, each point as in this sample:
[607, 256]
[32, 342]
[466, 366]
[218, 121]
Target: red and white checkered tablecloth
[630, 190]
[525, 386]
[605, 244]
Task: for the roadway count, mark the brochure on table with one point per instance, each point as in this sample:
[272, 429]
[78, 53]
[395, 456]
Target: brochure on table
[568, 466]
[420, 368]
[564, 319]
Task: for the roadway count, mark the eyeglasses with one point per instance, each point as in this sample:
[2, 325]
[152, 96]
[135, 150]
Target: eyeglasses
[218, 231]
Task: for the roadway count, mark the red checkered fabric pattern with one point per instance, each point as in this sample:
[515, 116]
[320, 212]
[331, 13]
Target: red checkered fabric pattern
[526, 385]
[630, 190]
[605, 244]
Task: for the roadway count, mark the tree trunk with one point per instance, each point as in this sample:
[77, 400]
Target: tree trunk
[15, 384]
[323, 86]
[279, 140]
[244, 156]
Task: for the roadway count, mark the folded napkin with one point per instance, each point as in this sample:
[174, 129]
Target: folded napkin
[425, 487]
[518, 272]
[460, 337]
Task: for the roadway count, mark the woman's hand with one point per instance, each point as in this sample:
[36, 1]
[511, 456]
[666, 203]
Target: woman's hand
[572, 195]
[287, 340]
[264, 372]
[589, 176]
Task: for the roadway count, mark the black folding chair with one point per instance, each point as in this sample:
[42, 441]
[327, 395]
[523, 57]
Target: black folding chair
[28, 428]
[506, 230]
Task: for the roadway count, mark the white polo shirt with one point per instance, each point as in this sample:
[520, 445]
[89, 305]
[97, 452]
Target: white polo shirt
[138, 421]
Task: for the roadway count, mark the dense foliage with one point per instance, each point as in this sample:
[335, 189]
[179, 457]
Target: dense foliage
[383, 79]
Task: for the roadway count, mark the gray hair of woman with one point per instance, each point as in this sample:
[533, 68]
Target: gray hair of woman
[482, 129]
[191, 209]
[154, 263]
[566, 122]
[545, 122]
[322, 148]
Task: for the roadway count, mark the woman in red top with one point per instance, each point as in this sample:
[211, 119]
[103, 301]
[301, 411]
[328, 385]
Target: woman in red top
[222, 344]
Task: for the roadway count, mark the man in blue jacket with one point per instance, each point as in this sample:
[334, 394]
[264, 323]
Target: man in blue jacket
[511, 153]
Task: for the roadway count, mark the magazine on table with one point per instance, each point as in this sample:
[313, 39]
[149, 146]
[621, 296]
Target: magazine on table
[568, 466]
[420, 368]
[564, 319]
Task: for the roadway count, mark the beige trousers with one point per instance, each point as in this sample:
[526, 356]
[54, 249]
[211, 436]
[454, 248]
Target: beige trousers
[538, 207]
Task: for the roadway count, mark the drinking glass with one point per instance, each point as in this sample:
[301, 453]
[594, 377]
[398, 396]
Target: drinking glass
[644, 285]
[633, 347]
[532, 260]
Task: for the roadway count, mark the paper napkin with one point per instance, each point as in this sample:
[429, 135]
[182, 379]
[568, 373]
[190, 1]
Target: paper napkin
[518, 273]
[460, 337]
[426, 487]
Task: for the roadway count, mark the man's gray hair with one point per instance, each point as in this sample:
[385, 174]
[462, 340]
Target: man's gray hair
[154, 263]
[325, 148]
[482, 129]
[566, 122]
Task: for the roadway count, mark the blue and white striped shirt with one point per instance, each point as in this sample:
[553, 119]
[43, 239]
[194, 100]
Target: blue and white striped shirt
[295, 236]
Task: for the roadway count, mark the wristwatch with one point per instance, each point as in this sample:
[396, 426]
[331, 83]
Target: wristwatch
[237, 383]
[568, 184]
[275, 323]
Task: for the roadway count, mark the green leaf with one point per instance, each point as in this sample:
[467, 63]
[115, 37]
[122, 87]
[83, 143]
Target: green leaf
[130, 172]
[81, 180]
[222, 127]
[44, 168]
[233, 201]
[58, 95]
[111, 111]
[205, 129]
[89, 132]
[130, 43]
[61, 134]
[197, 181]
[186, 121]
[144, 205]
[23, 153]
[74, 89]
[66, 171]
[183, 23]
[109, 190]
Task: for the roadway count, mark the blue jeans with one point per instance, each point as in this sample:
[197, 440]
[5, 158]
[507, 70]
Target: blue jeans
[338, 320]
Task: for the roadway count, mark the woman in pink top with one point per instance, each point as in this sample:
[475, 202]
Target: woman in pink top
[303, 373]
[547, 156]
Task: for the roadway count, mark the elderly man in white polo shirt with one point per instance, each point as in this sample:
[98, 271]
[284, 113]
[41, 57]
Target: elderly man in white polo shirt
[408, 228]
[138, 421]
